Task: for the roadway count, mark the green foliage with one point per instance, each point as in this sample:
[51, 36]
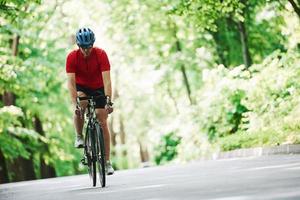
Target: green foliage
[154, 46]
[167, 149]
[12, 147]
[264, 31]
[16, 9]
[195, 34]
[16, 141]
[206, 13]
[234, 116]
[273, 99]
[223, 114]
[35, 78]
[246, 140]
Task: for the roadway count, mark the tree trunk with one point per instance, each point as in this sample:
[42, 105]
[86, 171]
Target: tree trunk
[183, 71]
[46, 171]
[186, 82]
[219, 48]
[123, 143]
[295, 6]
[15, 166]
[123, 135]
[8, 98]
[243, 36]
[15, 45]
[23, 168]
[182, 67]
[244, 42]
[3, 169]
[144, 154]
[28, 168]
[172, 97]
[113, 134]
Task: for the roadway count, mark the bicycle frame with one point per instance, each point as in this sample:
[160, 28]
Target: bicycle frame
[91, 117]
[93, 151]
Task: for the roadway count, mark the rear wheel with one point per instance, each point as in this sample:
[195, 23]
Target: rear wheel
[101, 154]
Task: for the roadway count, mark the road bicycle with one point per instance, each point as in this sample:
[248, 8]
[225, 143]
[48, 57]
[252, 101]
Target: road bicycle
[94, 151]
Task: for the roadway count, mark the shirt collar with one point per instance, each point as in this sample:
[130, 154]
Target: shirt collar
[81, 54]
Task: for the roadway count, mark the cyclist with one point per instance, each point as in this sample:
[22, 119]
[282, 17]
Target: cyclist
[88, 71]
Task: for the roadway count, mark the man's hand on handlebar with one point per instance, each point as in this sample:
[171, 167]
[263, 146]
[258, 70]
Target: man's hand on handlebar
[109, 105]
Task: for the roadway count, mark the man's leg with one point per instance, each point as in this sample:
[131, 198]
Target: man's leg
[78, 120]
[102, 118]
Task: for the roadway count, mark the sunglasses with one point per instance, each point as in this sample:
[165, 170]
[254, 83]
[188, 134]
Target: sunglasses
[86, 47]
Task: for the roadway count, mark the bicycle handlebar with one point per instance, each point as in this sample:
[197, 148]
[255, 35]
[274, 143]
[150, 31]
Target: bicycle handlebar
[93, 98]
[89, 97]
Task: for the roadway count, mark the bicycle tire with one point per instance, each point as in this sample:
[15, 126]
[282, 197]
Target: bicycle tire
[87, 152]
[93, 154]
[101, 154]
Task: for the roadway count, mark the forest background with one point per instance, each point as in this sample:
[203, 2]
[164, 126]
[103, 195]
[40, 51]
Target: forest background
[191, 78]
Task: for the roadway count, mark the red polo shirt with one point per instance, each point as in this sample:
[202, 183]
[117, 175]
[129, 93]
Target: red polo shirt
[88, 71]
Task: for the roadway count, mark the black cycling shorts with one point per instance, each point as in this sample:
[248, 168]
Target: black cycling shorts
[100, 102]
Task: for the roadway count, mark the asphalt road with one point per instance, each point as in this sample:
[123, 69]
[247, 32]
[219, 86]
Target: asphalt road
[271, 177]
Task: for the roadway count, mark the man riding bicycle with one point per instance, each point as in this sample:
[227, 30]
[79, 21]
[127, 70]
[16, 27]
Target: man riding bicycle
[88, 71]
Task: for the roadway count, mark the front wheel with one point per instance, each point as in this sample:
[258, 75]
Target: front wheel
[100, 153]
[91, 154]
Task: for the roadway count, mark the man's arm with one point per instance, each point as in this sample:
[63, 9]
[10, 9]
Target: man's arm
[108, 91]
[72, 87]
[107, 83]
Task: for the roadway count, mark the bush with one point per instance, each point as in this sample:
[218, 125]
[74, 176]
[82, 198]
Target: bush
[167, 149]
[238, 108]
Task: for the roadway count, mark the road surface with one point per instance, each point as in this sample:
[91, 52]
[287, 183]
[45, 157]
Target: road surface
[269, 177]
